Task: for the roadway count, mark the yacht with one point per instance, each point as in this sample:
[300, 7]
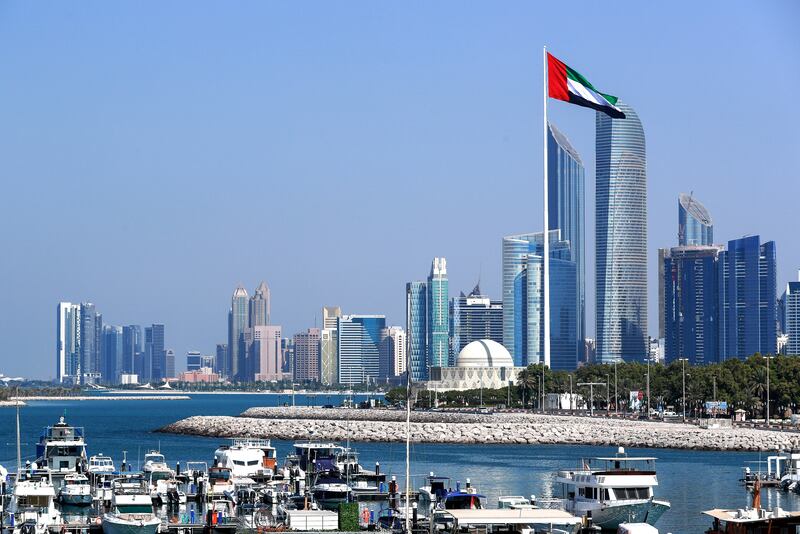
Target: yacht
[62, 449]
[156, 471]
[101, 464]
[75, 490]
[612, 490]
[328, 492]
[248, 457]
[132, 508]
[33, 504]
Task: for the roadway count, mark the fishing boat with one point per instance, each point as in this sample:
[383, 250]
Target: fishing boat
[132, 508]
[62, 449]
[75, 490]
[618, 490]
[754, 520]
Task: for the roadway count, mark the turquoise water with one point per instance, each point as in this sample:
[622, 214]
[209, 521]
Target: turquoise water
[691, 480]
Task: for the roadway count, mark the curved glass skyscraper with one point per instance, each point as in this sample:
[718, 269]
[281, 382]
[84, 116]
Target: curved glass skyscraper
[621, 237]
[694, 222]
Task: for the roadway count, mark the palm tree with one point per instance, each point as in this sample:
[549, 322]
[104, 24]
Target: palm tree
[526, 382]
[759, 386]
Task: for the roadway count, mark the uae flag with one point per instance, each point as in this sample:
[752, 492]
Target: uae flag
[568, 85]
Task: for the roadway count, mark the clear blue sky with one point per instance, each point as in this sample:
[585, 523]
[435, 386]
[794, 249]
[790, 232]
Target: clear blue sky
[155, 154]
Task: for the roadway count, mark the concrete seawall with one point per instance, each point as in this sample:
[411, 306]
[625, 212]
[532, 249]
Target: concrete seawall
[384, 426]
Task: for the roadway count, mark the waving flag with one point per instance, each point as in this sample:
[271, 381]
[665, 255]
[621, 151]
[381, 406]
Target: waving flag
[568, 85]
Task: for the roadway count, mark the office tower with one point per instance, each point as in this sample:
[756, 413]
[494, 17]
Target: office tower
[694, 222]
[287, 357]
[359, 348]
[438, 315]
[748, 306]
[169, 363]
[89, 357]
[131, 345]
[393, 352]
[473, 317]
[68, 342]
[265, 359]
[306, 355]
[330, 316]
[98, 348]
[154, 367]
[193, 360]
[523, 301]
[238, 317]
[328, 357]
[417, 329]
[621, 238]
[691, 304]
[112, 360]
[791, 317]
[221, 359]
[662, 254]
[260, 306]
[566, 199]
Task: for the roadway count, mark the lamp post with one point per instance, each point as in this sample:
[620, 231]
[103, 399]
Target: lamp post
[768, 359]
[683, 379]
[571, 409]
[608, 400]
[616, 398]
[591, 393]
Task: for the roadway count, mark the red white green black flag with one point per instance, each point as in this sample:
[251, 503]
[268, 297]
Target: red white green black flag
[568, 85]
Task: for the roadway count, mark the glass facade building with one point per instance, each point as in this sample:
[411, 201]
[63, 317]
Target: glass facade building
[474, 317]
[791, 317]
[68, 342]
[359, 348]
[748, 306]
[621, 238]
[523, 267]
[238, 320]
[438, 315]
[566, 199]
[417, 328]
[694, 222]
[691, 304]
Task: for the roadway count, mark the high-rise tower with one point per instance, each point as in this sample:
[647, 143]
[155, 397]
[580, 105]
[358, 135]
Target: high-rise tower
[621, 237]
[68, 342]
[694, 222]
[438, 314]
[238, 317]
[260, 306]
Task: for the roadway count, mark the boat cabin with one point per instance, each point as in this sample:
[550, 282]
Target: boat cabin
[753, 521]
[61, 448]
[531, 521]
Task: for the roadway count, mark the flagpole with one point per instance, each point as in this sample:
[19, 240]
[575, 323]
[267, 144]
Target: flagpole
[546, 240]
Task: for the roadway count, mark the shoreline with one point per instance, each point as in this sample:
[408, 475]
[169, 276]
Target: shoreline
[367, 426]
[95, 398]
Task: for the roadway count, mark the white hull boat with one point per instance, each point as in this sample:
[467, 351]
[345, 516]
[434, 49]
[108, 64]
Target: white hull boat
[130, 523]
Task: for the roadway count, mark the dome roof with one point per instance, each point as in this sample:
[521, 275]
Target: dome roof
[484, 353]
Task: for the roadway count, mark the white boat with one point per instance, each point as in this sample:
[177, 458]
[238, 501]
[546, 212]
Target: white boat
[101, 464]
[248, 457]
[154, 461]
[329, 492]
[75, 490]
[62, 448]
[132, 508]
[613, 490]
[33, 505]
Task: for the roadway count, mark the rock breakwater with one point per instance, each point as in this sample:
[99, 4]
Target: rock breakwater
[443, 427]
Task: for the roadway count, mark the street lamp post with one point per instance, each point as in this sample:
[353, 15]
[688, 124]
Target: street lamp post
[616, 398]
[591, 393]
[608, 400]
[571, 409]
[768, 359]
[683, 378]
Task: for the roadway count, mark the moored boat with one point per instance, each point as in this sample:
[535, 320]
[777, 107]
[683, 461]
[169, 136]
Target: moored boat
[618, 490]
[75, 490]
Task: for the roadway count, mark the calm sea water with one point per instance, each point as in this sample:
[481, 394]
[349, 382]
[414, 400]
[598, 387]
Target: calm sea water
[691, 480]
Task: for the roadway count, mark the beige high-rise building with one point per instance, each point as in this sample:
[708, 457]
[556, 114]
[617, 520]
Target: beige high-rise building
[265, 352]
[330, 316]
[306, 355]
[260, 306]
[393, 358]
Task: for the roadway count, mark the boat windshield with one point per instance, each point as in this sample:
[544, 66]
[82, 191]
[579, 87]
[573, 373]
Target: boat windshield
[135, 509]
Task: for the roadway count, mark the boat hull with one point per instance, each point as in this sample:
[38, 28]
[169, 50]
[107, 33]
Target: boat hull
[130, 524]
[609, 517]
[76, 499]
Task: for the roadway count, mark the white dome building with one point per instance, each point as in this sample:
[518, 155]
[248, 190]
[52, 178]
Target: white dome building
[481, 364]
[484, 353]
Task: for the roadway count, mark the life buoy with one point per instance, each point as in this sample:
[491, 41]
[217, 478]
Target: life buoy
[365, 515]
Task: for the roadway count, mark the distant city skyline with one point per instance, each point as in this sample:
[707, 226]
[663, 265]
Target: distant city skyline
[157, 149]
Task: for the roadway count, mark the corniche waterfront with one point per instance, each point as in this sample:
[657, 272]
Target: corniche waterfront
[692, 480]
[447, 427]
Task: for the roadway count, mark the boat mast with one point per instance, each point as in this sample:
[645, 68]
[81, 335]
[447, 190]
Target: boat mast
[408, 447]
[19, 453]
